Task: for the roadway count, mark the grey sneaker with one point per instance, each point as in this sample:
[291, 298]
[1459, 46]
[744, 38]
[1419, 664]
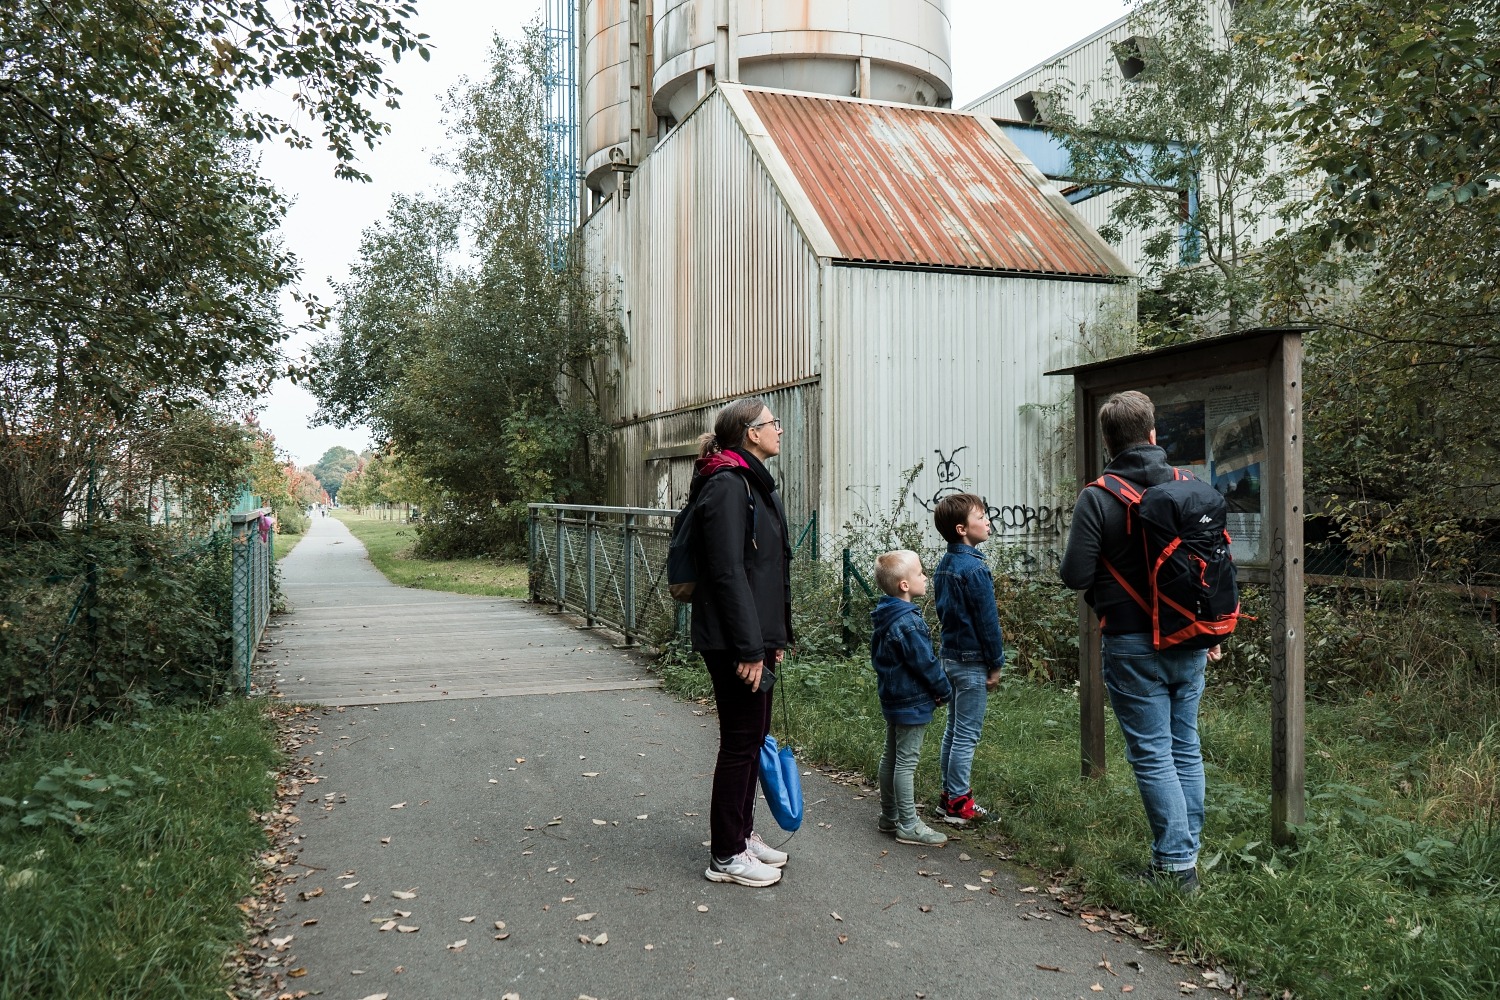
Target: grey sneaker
[743, 869]
[920, 833]
[885, 825]
[764, 852]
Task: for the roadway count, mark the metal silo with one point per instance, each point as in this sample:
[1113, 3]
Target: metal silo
[605, 97]
[887, 50]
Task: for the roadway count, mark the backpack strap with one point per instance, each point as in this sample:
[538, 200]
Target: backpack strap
[753, 526]
[1130, 495]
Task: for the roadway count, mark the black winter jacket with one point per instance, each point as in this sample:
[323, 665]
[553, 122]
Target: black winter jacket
[1098, 533]
[743, 601]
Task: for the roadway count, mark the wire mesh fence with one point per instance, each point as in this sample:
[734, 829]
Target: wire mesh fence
[253, 548]
[609, 565]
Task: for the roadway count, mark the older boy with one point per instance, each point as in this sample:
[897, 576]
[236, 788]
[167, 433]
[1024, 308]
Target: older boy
[973, 649]
[911, 685]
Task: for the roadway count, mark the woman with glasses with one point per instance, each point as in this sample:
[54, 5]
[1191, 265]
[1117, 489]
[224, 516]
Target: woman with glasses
[742, 621]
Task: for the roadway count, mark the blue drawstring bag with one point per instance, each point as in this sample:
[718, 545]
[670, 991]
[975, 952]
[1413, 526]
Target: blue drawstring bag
[782, 783]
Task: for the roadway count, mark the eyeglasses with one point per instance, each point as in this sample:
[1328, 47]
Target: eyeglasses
[776, 423]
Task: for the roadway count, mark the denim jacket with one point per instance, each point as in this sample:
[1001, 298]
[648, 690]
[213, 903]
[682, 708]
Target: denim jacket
[966, 607]
[907, 674]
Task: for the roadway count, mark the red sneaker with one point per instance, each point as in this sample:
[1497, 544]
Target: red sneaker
[960, 810]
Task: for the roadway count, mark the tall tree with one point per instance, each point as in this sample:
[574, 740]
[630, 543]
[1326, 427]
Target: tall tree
[479, 371]
[139, 264]
[1189, 145]
[1398, 130]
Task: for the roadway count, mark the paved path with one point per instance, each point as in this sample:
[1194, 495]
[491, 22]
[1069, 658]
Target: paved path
[540, 811]
[354, 639]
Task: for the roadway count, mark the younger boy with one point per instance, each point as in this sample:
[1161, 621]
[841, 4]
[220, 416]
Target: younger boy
[911, 685]
[973, 650]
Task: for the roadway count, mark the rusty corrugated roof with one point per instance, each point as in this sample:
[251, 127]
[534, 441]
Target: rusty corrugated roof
[909, 186]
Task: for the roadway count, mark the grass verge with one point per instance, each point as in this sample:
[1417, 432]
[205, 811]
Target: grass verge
[389, 544]
[286, 543]
[126, 851]
[1389, 893]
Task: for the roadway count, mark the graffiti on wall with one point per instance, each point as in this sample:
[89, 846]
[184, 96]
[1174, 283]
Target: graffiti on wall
[1005, 519]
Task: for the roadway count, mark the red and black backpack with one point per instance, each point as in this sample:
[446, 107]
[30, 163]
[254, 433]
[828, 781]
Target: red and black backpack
[1191, 593]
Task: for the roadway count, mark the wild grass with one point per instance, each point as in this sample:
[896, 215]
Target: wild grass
[144, 839]
[389, 544]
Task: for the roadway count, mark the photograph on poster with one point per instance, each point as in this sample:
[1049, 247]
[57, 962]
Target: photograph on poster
[1180, 432]
[1239, 448]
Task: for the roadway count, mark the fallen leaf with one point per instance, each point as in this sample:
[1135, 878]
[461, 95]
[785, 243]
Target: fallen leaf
[591, 774]
[282, 942]
[1049, 968]
[1097, 988]
[298, 973]
[350, 885]
[585, 916]
[987, 873]
[1029, 888]
[925, 908]
[403, 914]
[1127, 989]
[309, 923]
[964, 857]
[407, 929]
[836, 917]
[310, 894]
[494, 781]
[458, 945]
[602, 939]
[511, 996]
[702, 908]
[601, 822]
[404, 895]
[843, 939]
[499, 925]
[502, 935]
[399, 805]
[385, 840]
[583, 939]
[467, 920]
[388, 925]
[520, 760]
[642, 816]
[377, 996]
[973, 888]
[650, 947]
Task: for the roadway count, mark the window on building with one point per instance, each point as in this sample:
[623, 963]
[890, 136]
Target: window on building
[1032, 106]
[1133, 53]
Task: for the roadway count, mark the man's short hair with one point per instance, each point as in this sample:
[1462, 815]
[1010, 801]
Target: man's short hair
[953, 510]
[894, 566]
[1127, 420]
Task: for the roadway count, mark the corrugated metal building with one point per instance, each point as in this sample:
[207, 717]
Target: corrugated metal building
[1099, 68]
[893, 279]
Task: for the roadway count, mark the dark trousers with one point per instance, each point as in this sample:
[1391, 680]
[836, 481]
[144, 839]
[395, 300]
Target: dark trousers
[744, 721]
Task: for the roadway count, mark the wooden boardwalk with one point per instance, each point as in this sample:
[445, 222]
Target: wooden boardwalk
[353, 638]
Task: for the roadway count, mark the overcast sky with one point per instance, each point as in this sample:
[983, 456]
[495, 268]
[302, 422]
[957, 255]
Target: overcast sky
[992, 43]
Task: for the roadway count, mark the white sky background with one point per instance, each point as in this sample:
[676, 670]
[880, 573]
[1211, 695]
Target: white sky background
[993, 41]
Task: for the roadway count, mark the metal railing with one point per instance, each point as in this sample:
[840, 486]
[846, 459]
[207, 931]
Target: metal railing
[253, 553]
[607, 564]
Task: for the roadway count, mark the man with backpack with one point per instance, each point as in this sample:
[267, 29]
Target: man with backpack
[1149, 550]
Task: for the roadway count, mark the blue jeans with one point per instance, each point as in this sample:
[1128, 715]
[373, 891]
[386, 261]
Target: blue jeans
[898, 768]
[965, 719]
[1155, 696]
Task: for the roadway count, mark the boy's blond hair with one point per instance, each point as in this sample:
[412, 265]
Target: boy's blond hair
[894, 566]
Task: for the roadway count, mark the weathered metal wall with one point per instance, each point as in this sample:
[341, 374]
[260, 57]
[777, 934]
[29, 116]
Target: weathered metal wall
[947, 370]
[717, 296]
[717, 287]
[651, 461]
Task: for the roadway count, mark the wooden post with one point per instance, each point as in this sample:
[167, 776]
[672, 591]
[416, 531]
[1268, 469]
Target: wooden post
[1090, 664]
[1287, 613]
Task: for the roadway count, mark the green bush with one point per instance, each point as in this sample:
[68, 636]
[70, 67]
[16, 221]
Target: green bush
[109, 619]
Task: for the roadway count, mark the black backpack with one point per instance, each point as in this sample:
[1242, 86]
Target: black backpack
[682, 556]
[1192, 595]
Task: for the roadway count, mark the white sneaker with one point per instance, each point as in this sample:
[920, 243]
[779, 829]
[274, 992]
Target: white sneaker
[744, 869]
[764, 852]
